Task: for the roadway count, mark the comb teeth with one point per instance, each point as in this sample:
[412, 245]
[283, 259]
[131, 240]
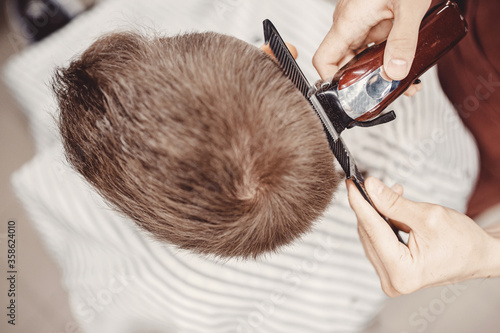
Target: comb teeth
[359, 176]
[285, 58]
[293, 72]
[342, 156]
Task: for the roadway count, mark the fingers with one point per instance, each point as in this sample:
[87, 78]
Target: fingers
[347, 34]
[402, 40]
[379, 242]
[293, 50]
[393, 205]
[401, 226]
[379, 233]
[379, 266]
[330, 54]
[398, 188]
[378, 33]
[414, 88]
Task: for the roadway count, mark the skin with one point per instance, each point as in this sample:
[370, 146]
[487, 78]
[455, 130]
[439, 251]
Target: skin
[357, 23]
[444, 245]
[293, 50]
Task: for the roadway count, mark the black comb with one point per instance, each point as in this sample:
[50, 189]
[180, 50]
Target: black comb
[291, 69]
[285, 58]
[293, 72]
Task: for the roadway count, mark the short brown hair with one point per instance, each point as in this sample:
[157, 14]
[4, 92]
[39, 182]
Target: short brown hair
[199, 138]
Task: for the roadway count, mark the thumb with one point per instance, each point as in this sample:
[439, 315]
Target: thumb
[402, 41]
[392, 205]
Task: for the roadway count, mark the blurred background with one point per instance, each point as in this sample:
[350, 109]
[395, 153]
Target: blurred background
[42, 302]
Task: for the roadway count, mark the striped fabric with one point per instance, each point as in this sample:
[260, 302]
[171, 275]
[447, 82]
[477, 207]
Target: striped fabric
[121, 280]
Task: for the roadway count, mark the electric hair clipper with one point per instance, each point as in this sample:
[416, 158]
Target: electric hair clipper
[358, 93]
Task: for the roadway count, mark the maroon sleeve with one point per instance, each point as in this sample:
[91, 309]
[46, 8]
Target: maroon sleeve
[470, 76]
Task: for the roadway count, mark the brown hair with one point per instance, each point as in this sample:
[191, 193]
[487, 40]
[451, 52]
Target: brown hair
[199, 138]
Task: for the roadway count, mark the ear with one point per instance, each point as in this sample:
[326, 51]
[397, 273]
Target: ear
[291, 48]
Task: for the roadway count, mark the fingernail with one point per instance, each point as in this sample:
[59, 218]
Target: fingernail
[417, 81]
[397, 69]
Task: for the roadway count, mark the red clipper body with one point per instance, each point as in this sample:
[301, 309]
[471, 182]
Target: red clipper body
[358, 93]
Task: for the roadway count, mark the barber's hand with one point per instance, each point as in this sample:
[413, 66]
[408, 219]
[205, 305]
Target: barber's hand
[357, 23]
[444, 245]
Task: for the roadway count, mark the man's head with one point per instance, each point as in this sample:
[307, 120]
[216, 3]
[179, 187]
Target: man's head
[199, 138]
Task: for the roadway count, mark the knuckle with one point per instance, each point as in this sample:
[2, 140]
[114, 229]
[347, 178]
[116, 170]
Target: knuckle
[401, 47]
[361, 232]
[391, 293]
[435, 216]
[388, 290]
[316, 60]
[404, 280]
[403, 284]
[392, 200]
[403, 42]
[368, 230]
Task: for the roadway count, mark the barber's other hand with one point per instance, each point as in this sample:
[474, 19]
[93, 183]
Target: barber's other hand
[444, 245]
[357, 23]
